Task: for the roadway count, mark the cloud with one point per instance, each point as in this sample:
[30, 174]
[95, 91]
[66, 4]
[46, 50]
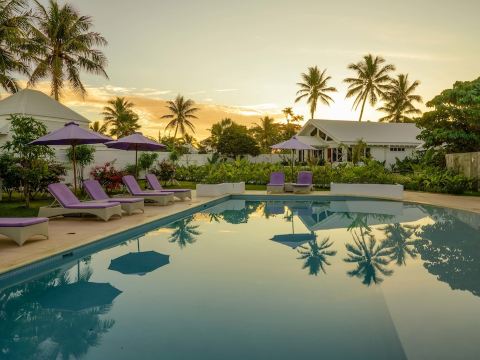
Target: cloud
[225, 90]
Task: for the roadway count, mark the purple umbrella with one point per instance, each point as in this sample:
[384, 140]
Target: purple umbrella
[72, 134]
[135, 142]
[292, 144]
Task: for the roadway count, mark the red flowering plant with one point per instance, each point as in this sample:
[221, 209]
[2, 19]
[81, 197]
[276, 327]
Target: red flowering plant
[108, 176]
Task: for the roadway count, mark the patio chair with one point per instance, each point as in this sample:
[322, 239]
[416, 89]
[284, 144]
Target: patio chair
[160, 198]
[69, 204]
[277, 182]
[304, 183]
[96, 192]
[21, 229]
[155, 185]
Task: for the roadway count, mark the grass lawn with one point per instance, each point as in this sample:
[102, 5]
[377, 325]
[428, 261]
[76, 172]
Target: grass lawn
[16, 207]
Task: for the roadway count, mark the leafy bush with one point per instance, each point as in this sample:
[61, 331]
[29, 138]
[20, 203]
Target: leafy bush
[165, 171]
[443, 181]
[146, 160]
[108, 176]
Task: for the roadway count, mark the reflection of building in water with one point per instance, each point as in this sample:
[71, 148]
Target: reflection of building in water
[341, 214]
[233, 205]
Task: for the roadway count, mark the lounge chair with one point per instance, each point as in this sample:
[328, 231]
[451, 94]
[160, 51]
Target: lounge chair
[277, 182]
[155, 185]
[21, 229]
[304, 183]
[96, 192]
[161, 198]
[69, 204]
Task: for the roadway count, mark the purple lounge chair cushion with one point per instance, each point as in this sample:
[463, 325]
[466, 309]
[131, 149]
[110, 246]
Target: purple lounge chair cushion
[93, 205]
[21, 222]
[63, 194]
[96, 192]
[135, 189]
[277, 178]
[155, 185]
[305, 178]
[125, 200]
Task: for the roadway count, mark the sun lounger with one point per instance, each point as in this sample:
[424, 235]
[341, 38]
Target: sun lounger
[160, 198]
[155, 185]
[96, 192]
[69, 204]
[21, 229]
[304, 183]
[277, 182]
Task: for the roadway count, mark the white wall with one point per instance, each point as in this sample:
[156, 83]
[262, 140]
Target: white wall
[383, 153]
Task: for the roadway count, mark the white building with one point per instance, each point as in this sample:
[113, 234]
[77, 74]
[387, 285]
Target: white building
[334, 140]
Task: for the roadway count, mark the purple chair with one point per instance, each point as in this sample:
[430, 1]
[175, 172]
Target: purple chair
[21, 229]
[155, 185]
[160, 198]
[277, 182]
[304, 183]
[96, 192]
[69, 204]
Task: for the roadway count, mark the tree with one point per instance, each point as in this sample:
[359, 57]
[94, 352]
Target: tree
[266, 133]
[31, 158]
[454, 121]
[98, 127]
[371, 81]
[288, 112]
[216, 132]
[84, 155]
[146, 160]
[184, 232]
[236, 141]
[120, 117]
[181, 113]
[315, 87]
[316, 255]
[13, 22]
[398, 240]
[63, 46]
[399, 99]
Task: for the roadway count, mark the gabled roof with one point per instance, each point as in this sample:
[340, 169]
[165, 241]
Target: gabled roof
[370, 132]
[36, 103]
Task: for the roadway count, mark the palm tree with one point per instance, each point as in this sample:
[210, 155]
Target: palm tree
[315, 87]
[399, 100]
[217, 129]
[98, 127]
[316, 255]
[120, 117]
[181, 112]
[371, 82]
[184, 232]
[13, 22]
[63, 46]
[288, 112]
[371, 258]
[397, 239]
[266, 133]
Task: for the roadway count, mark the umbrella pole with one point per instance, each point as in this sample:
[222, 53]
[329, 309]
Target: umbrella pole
[136, 162]
[293, 163]
[74, 169]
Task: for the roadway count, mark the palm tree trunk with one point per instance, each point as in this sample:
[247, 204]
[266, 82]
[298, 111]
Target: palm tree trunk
[363, 106]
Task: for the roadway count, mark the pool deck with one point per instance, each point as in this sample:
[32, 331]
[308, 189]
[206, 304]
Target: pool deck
[70, 233]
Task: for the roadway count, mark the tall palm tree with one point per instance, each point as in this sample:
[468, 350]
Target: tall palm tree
[315, 87]
[266, 133]
[14, 20]
[371, 82]
[64, 45]
[399, 100]
[184, 232]
[98, 127]
[120, 117]
[288, 112]
[181, 112]
[398, 239]
[316, 255]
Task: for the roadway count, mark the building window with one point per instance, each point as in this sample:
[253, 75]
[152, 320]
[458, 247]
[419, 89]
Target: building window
[368, 153]
[337, 155]
[397, 148]
[314, 132]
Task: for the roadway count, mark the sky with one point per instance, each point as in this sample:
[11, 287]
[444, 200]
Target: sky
[242, 59]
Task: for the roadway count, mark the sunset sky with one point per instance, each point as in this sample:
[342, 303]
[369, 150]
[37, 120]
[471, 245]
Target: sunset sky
[242, 59]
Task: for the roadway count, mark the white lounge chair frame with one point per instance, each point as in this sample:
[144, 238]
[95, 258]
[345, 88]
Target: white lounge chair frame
[156, 199]
[20, 234]
[275, 189]
[298, 189]
[128, 207]
[103, 213]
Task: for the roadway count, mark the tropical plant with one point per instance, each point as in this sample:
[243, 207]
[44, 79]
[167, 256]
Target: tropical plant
[84, 155]
[371, 258]
[31, 159]
[397, 238]
[314, 88]
[14, 20]
[266, 133]
[399, 100]
[371, 82]
[165, 171]
[236, 141]
[98, 127]
[108, 176]
[316, 255]
[63, 46]
[288, 112]
[184, 232]
[119, 116]
[216, 132]
[358, 151]
[454, 119]
[181, 113]
[146, 160]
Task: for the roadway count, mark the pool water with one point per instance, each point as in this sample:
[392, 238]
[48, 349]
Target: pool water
[263, 280]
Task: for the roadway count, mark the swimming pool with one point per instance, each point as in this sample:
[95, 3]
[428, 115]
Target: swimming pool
[248, 279]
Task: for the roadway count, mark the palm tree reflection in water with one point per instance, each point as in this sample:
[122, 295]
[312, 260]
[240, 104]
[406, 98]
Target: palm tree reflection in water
[184, 232]
[316, 255]
[398, 240]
